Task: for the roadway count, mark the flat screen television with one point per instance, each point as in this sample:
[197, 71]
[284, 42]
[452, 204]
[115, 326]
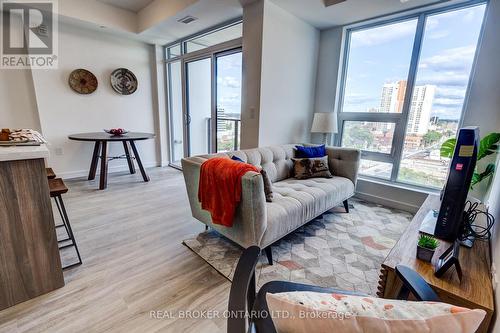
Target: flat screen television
[448, 224]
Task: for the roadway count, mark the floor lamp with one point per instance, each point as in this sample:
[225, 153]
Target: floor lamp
[326, 123]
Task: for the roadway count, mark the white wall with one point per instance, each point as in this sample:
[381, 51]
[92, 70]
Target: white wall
[63, 111]
[17, 99]
[327, 73]
[253, 18]
[494, 206]
[288, 77]
[483, 109]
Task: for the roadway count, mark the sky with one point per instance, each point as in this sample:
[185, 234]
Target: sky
[382, 55]
[229, 82]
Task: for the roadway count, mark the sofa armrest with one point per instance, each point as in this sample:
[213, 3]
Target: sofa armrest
[344, 162]
[251, 213]
[250, 219]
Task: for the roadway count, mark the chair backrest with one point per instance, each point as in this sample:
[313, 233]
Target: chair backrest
[414, 283]
[242, 294]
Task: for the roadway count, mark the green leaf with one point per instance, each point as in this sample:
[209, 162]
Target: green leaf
[488, 145]
[448, 148]
[475, 179]
[478, 177]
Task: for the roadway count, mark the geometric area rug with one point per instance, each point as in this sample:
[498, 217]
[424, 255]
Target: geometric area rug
[337, 249]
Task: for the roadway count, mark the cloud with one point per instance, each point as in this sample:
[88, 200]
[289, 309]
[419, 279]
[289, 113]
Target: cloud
[448, 102]
[230, 99]
[450, 92]
[383, 34]
[438, 34]
[446, 113]
[447, 79]
[356, 98]
[455, 59]
[229, 82]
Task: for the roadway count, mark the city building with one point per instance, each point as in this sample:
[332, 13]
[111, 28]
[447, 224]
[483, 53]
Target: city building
[420, 110]
[393, 95]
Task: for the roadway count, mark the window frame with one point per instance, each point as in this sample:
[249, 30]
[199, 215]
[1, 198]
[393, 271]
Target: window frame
[184, 58]
[399, 119]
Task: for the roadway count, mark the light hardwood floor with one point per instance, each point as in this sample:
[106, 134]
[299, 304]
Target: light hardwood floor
[133, 263]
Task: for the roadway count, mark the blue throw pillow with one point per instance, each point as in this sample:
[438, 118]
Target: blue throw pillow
[310, 152]
[236, 158]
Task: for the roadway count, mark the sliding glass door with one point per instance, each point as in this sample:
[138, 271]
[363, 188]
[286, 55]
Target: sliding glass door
[204, 104]
[204, 93]
[174, 75]
[199, 105]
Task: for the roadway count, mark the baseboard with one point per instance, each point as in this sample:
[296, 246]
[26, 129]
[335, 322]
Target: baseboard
[111, 169]
[387, 202]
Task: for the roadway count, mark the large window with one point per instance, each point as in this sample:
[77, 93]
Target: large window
[403, 88]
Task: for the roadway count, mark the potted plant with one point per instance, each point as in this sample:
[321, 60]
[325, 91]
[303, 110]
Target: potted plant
[488, 146]
[426, 246]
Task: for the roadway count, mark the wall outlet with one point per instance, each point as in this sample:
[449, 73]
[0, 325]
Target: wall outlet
[59, 151]
[252, 113]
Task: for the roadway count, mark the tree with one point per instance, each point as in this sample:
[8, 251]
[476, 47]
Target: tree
[358, 137]
[432, 137]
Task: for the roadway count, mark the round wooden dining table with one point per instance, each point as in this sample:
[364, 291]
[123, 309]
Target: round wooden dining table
[101, 140]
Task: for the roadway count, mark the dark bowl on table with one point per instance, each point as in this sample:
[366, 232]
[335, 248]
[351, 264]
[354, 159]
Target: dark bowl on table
[116, 132]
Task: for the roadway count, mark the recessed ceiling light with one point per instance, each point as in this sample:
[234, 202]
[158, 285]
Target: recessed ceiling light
[187, 19]
[332, 2]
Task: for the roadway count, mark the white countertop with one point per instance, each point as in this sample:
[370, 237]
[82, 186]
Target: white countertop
[14, 153]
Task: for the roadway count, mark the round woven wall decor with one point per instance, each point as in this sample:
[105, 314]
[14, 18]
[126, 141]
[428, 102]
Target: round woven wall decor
[123, 81]
[82, 81]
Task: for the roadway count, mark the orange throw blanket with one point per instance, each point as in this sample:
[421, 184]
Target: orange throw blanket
[219, 190]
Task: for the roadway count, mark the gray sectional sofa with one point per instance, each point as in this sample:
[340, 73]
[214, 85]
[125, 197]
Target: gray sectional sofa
[295, 202]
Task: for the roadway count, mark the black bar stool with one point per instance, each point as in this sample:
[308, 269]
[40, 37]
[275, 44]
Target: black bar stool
[57, 189]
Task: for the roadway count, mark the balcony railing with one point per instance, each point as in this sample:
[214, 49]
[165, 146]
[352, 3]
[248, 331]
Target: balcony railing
[228, 134]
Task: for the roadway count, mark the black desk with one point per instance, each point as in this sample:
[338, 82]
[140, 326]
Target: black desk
[101, 140]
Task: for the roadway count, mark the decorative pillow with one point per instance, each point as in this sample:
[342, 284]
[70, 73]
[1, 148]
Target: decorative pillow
[311, 167]
[310, 151]
[268, 189]
[305, 312]
[236, 158]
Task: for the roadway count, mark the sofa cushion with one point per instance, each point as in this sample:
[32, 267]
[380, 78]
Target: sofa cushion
[276, 160]
[296, 201]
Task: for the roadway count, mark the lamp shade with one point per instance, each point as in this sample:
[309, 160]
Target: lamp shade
[324, 122]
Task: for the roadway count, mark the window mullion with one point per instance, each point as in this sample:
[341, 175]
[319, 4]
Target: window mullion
[400, 130]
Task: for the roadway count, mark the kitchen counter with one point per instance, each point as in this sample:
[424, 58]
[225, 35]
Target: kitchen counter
[30, 264]
[15, 153]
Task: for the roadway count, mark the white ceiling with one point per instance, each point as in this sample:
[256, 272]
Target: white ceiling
[208, 14]
[213, 12]
[315, 13]
[132, 5]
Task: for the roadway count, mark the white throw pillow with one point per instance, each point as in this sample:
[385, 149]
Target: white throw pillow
[306, 312]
